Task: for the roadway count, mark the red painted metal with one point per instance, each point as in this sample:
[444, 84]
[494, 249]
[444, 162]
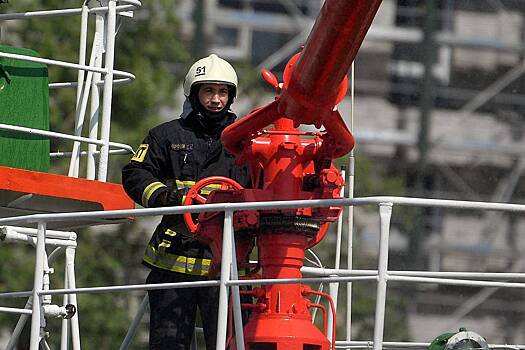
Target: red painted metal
[288, 164]
[24, 192]
[195, 195]
[329, 51]
[101, 195]
[312, 91]
[208, 226]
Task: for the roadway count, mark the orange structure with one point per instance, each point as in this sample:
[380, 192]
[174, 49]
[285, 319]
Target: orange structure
[32, 192]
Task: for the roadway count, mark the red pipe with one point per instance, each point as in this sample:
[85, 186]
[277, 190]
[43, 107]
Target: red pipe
[338, 140]
[316, 80]
[236, 135]
[325, 316]
[332, 307]
[329, 51]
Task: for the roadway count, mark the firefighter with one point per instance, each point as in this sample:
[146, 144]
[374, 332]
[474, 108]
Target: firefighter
[172, 157]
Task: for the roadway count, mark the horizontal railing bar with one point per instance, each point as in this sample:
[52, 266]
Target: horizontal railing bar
[66, 12]
[84, 153]
[131, 287]
[116, 82]
[210, 283]
[119, 8]
[261, 282]
[48, 61]
[374, 277]
[120, 73]
[356, 344]
[450, 274]
[58, 135]
[53, 62]
[265, 281]
[44, 13]
[196, 284]
[69, 235]
[23, 238]
[456, 282]
[13, 310]
[29, 236]
[15, 295]
[218, 207]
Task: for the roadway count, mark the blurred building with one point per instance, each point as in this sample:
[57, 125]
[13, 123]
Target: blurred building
[440, 99]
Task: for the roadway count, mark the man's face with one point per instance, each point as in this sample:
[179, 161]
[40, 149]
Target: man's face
[213, 97]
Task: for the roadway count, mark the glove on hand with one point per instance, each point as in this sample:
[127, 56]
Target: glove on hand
[167, 198]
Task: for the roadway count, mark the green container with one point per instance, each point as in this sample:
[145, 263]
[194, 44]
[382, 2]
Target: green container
[24, 101]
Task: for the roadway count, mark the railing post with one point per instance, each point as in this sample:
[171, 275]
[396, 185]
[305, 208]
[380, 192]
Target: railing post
[108, 90]
[13, 340]
[350, 221]
[334, 287]
[64, 335]
[226, 262]
[75, 156]
[385, 213]
[37, 319]
[236, 299]
[95, 102]
[135, 323]
[71, 282]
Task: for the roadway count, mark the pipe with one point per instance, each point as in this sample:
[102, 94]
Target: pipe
[236, 135]
[318, 72]
[329, 51]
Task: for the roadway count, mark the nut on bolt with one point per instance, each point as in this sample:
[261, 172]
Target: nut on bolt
[71, 310]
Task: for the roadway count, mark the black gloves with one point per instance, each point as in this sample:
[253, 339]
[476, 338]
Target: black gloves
[165, 198]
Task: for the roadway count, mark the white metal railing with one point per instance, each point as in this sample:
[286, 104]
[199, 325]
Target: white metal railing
[87, 85]
[64, 242]
[229, 281]
[130, 5]
[98, 73]
[52, 134]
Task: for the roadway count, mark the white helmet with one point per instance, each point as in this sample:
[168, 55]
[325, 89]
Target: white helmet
[211, 69]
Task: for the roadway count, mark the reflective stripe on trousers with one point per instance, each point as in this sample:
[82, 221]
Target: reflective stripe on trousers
[176, 263]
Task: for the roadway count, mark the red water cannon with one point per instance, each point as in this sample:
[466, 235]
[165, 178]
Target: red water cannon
[287, 163]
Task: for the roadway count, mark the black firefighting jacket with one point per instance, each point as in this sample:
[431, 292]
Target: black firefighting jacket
[172, 157]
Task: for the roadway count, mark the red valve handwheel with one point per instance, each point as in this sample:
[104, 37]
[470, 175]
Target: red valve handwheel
[194, 195]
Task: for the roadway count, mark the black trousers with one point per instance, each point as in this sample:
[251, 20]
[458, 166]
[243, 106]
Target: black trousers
[173, 312]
